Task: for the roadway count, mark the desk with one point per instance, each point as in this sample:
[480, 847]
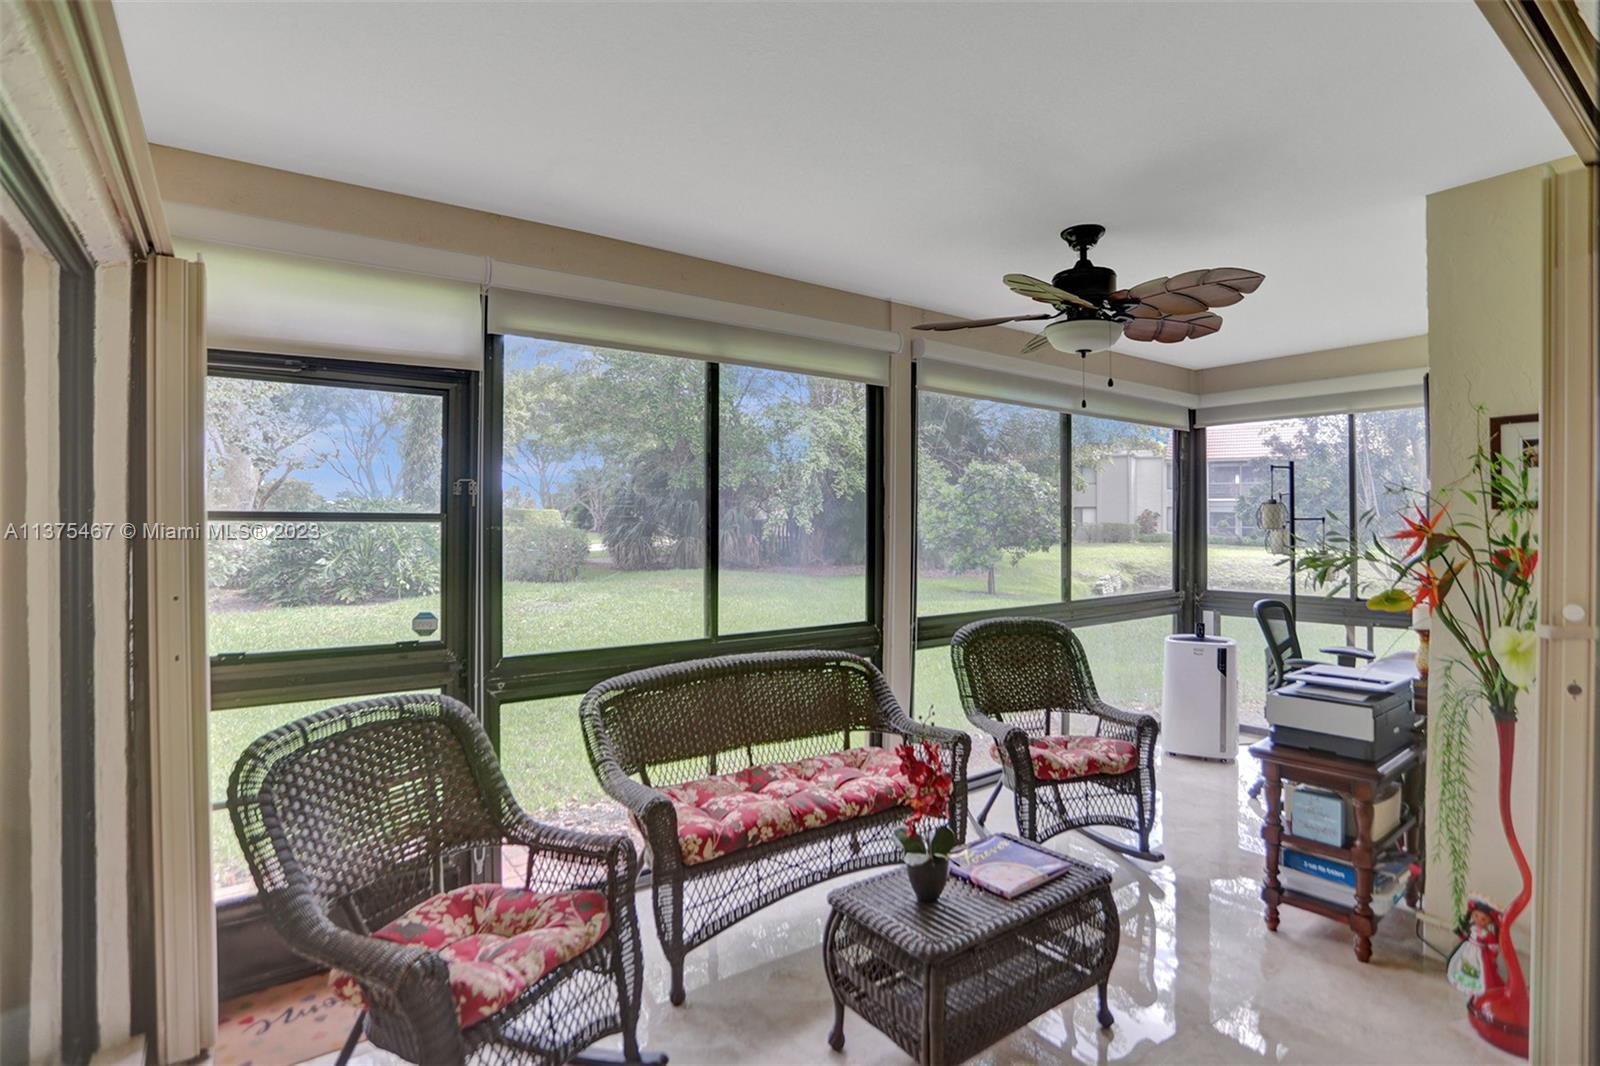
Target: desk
[1362, 782]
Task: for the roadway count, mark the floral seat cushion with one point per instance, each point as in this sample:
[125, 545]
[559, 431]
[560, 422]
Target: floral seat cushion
[496, 941]
[1064, 758]
[722, 814]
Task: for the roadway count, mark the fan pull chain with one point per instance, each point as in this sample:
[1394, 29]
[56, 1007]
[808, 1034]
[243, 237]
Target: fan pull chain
[1083, 377]
[1110, 382]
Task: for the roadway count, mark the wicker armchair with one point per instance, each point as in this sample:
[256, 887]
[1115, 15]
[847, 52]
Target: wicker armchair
[1018, 678]
[745, 730]
[353, 817]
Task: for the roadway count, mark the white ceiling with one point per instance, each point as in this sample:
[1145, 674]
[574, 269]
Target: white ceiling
[914, 152]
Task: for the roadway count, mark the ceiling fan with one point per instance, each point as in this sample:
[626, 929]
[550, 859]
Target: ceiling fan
[1090, 312]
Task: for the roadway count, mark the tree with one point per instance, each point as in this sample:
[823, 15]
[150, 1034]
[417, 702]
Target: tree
[259, 434]
[994, 510]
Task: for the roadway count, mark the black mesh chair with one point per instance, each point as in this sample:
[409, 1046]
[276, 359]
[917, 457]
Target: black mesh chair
[1021, 680]
[361, 825]
[1283, 644]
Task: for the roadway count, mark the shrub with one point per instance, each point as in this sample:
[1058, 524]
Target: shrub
[1106, 532]
[1148, 521]
[537, 549]
[348, 562]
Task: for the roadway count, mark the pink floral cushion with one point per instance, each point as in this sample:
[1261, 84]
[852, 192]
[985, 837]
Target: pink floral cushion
[721, 814]
[496, 941]
[1059, 758]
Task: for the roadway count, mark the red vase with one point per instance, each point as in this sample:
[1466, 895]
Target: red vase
[1500, 1012]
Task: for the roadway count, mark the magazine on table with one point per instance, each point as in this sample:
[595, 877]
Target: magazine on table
[1006, 866]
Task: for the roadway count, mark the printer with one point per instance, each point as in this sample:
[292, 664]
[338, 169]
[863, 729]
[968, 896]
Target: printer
[1342, 711]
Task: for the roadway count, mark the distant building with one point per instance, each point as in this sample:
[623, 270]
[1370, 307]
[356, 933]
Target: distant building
[1237, 458]
[1125, 486]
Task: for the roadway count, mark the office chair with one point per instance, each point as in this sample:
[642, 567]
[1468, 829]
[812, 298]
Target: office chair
[1283, 644]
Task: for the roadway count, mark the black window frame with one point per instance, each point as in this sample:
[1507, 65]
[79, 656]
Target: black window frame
[530, 676]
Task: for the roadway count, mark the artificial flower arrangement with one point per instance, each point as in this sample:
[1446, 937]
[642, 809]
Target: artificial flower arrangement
[926, 854]
[1473, 569]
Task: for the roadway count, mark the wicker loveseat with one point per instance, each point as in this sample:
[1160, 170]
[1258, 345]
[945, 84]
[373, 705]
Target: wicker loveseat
[1021, 680]
[753, 776]
[361, 825]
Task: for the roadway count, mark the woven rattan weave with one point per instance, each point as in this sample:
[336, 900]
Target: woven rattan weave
[671, 724]
[1020, 678]
[946, 980]
[352, 816]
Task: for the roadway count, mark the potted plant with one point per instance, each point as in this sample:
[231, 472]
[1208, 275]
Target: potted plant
[926, 854]
[1473, 570]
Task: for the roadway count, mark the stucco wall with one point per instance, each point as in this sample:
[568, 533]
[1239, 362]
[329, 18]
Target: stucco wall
[1486, 302]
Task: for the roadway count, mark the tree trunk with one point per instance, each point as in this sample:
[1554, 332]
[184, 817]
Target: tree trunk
[991, 581]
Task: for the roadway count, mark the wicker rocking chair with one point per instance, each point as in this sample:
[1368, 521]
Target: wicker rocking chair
[755, 735]
[361, 825]
[1019, 678]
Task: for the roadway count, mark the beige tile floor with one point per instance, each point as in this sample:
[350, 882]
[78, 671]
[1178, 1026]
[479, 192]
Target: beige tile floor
[1198, 978]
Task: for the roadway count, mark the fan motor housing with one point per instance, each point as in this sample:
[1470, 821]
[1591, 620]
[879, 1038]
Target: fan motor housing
[1093, 283]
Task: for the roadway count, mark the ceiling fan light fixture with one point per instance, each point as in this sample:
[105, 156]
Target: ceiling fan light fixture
[1082, 335]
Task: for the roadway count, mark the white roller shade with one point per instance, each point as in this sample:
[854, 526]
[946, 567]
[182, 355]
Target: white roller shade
[982, 376]
[1381, 391]
[265, 301]
[582, 322]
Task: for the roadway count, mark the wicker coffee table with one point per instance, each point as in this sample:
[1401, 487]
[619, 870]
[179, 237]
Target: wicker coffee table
[946, 980]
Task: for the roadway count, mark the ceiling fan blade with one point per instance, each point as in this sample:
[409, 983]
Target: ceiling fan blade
[1035, 342]
[1195, 290]
[974, 323]
[1169, 329]
[1043, 291]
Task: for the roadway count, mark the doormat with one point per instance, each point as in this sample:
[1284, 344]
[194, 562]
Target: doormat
[283, 1024]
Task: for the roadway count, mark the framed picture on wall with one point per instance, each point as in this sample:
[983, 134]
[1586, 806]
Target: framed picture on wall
[1517, 438]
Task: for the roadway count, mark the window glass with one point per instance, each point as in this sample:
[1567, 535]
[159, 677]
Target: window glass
[1391, 475]
[936, 699]
[298, 446]
[988, 505]
[1239, 479]
[282, 586]
[1122, 508]
[543, 757]
[229, 733]
[1127, 659]
[792, 500]
[604, 493]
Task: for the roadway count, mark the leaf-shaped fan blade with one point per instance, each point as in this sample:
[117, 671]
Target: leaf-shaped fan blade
[1195, 290]
[974, 323]
[1043, 291]
[1171, 329]
[1038, 341]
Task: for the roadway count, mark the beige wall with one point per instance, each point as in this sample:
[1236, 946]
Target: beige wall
[1486, 305]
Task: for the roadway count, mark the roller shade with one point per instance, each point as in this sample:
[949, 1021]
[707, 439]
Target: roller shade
[582, 322]
[945, 368]
[1334, 398]
[265, 301]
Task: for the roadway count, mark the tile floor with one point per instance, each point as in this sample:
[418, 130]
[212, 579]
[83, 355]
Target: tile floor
[1198, 978]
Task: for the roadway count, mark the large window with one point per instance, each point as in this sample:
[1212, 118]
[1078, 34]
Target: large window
[792, 499]
[988, 505]
[1391, 466]
[1241, 476]
[327, 511]
[603, 479]
[1122, 505]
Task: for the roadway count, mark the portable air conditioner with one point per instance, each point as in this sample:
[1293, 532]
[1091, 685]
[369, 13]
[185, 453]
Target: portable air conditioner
[1200, 697]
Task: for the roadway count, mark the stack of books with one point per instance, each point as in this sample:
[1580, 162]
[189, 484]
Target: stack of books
[1335, 882]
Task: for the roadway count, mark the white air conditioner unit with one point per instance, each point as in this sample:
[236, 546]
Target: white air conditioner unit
[1200, 697]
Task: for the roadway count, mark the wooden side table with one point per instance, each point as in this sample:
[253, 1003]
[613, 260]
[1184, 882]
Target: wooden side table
[1362, 782]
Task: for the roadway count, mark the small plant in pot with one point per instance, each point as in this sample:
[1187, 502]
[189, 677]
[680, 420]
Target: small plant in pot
[926, 853]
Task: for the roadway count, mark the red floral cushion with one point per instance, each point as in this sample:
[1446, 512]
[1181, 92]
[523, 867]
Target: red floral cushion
[496, 941]
[1059, 758]
[721, 814]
